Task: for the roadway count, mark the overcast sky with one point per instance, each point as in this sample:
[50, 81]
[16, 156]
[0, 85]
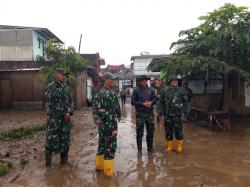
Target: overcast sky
[117, 29]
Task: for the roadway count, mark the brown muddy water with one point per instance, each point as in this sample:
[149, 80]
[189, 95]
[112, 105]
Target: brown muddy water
[209, 159]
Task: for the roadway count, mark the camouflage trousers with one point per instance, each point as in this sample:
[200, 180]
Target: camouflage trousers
[173, 127]
[57, 135]
[107, 144]
[141, 121]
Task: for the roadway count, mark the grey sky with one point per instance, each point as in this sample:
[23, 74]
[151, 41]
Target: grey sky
[118, 29]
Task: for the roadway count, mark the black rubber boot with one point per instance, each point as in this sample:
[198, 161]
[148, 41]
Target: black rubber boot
[139, 146]
[150, 145]
[158, 118]
[64, 157]
[48, 158]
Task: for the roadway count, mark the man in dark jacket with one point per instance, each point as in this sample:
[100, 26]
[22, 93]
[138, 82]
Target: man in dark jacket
[143, 98]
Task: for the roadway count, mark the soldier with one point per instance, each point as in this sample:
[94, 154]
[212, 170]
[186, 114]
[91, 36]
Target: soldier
[60, 108]
[143, 98]
[159, 89]
[172, 103]
[106, 111]
[189, 94]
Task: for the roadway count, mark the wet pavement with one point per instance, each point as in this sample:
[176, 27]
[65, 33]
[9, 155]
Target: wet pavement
[209, 159]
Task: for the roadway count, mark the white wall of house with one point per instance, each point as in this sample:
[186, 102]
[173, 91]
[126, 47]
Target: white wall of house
[140, 68]
[16, 45]
[89, 88]
[122, 82]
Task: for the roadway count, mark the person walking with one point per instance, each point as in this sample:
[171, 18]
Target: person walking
[123, 95]
[189, 95]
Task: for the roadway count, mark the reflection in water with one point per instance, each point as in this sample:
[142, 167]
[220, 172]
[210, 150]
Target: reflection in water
[60, 177]
[146, 175]
[199, 165]
[101, 180]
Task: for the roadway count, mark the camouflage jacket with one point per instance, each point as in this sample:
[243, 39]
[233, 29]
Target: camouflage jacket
[172, 102]
[58, 99]
[106, 107]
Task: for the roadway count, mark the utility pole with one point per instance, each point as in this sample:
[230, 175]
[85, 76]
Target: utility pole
[80, 42]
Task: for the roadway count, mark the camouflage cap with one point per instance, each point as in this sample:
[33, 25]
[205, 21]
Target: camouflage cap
[143, 77]
[109, 76]
[172, 77]
[60, 71]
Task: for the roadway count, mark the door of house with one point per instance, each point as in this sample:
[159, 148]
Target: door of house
[5, 95]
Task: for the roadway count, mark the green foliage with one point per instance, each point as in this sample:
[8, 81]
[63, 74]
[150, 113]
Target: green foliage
[4, 167]
[21, 132]
[220, 43]
[67, 59]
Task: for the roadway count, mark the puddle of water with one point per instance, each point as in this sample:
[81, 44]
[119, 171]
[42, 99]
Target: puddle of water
[209, 159]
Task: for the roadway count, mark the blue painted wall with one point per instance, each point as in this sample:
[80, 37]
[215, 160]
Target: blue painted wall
[37, 51]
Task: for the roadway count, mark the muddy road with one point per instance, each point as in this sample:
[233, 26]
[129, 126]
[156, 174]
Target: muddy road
[209, 159]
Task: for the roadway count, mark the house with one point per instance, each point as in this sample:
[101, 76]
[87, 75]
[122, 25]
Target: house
[19, 43]
[123, 74]
[93, 70]
[214, 91]
[139, 66]
[21, 57]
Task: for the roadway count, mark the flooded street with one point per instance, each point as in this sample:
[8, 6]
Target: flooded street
[209, 159]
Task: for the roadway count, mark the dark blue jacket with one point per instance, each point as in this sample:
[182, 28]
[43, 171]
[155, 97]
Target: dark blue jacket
[141, 95]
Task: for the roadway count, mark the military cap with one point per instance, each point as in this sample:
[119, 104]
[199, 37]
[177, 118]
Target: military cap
[172, 77]
[143, 77]
[110, 76]
[60, 71]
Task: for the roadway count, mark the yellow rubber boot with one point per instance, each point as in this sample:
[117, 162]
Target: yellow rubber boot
[170, 146]
[99, 162]
[179, 145]
[109, 168]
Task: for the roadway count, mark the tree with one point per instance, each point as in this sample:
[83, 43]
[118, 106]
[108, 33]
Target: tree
[221, 43]
[67, 59]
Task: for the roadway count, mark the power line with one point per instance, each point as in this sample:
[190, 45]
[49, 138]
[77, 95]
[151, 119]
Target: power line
[105, 51]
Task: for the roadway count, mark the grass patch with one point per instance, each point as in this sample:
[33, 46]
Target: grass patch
[4, 167]
[21, 132]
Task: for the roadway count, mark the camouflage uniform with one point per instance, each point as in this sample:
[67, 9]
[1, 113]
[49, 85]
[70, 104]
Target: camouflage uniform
[107, 109]
[158, 110]
[58, 130]
[172, 104]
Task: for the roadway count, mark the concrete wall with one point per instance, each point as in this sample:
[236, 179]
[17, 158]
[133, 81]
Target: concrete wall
[16, 45]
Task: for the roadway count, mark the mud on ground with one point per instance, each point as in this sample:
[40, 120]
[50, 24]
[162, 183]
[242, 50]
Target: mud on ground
[23, 152]
[209, 159]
